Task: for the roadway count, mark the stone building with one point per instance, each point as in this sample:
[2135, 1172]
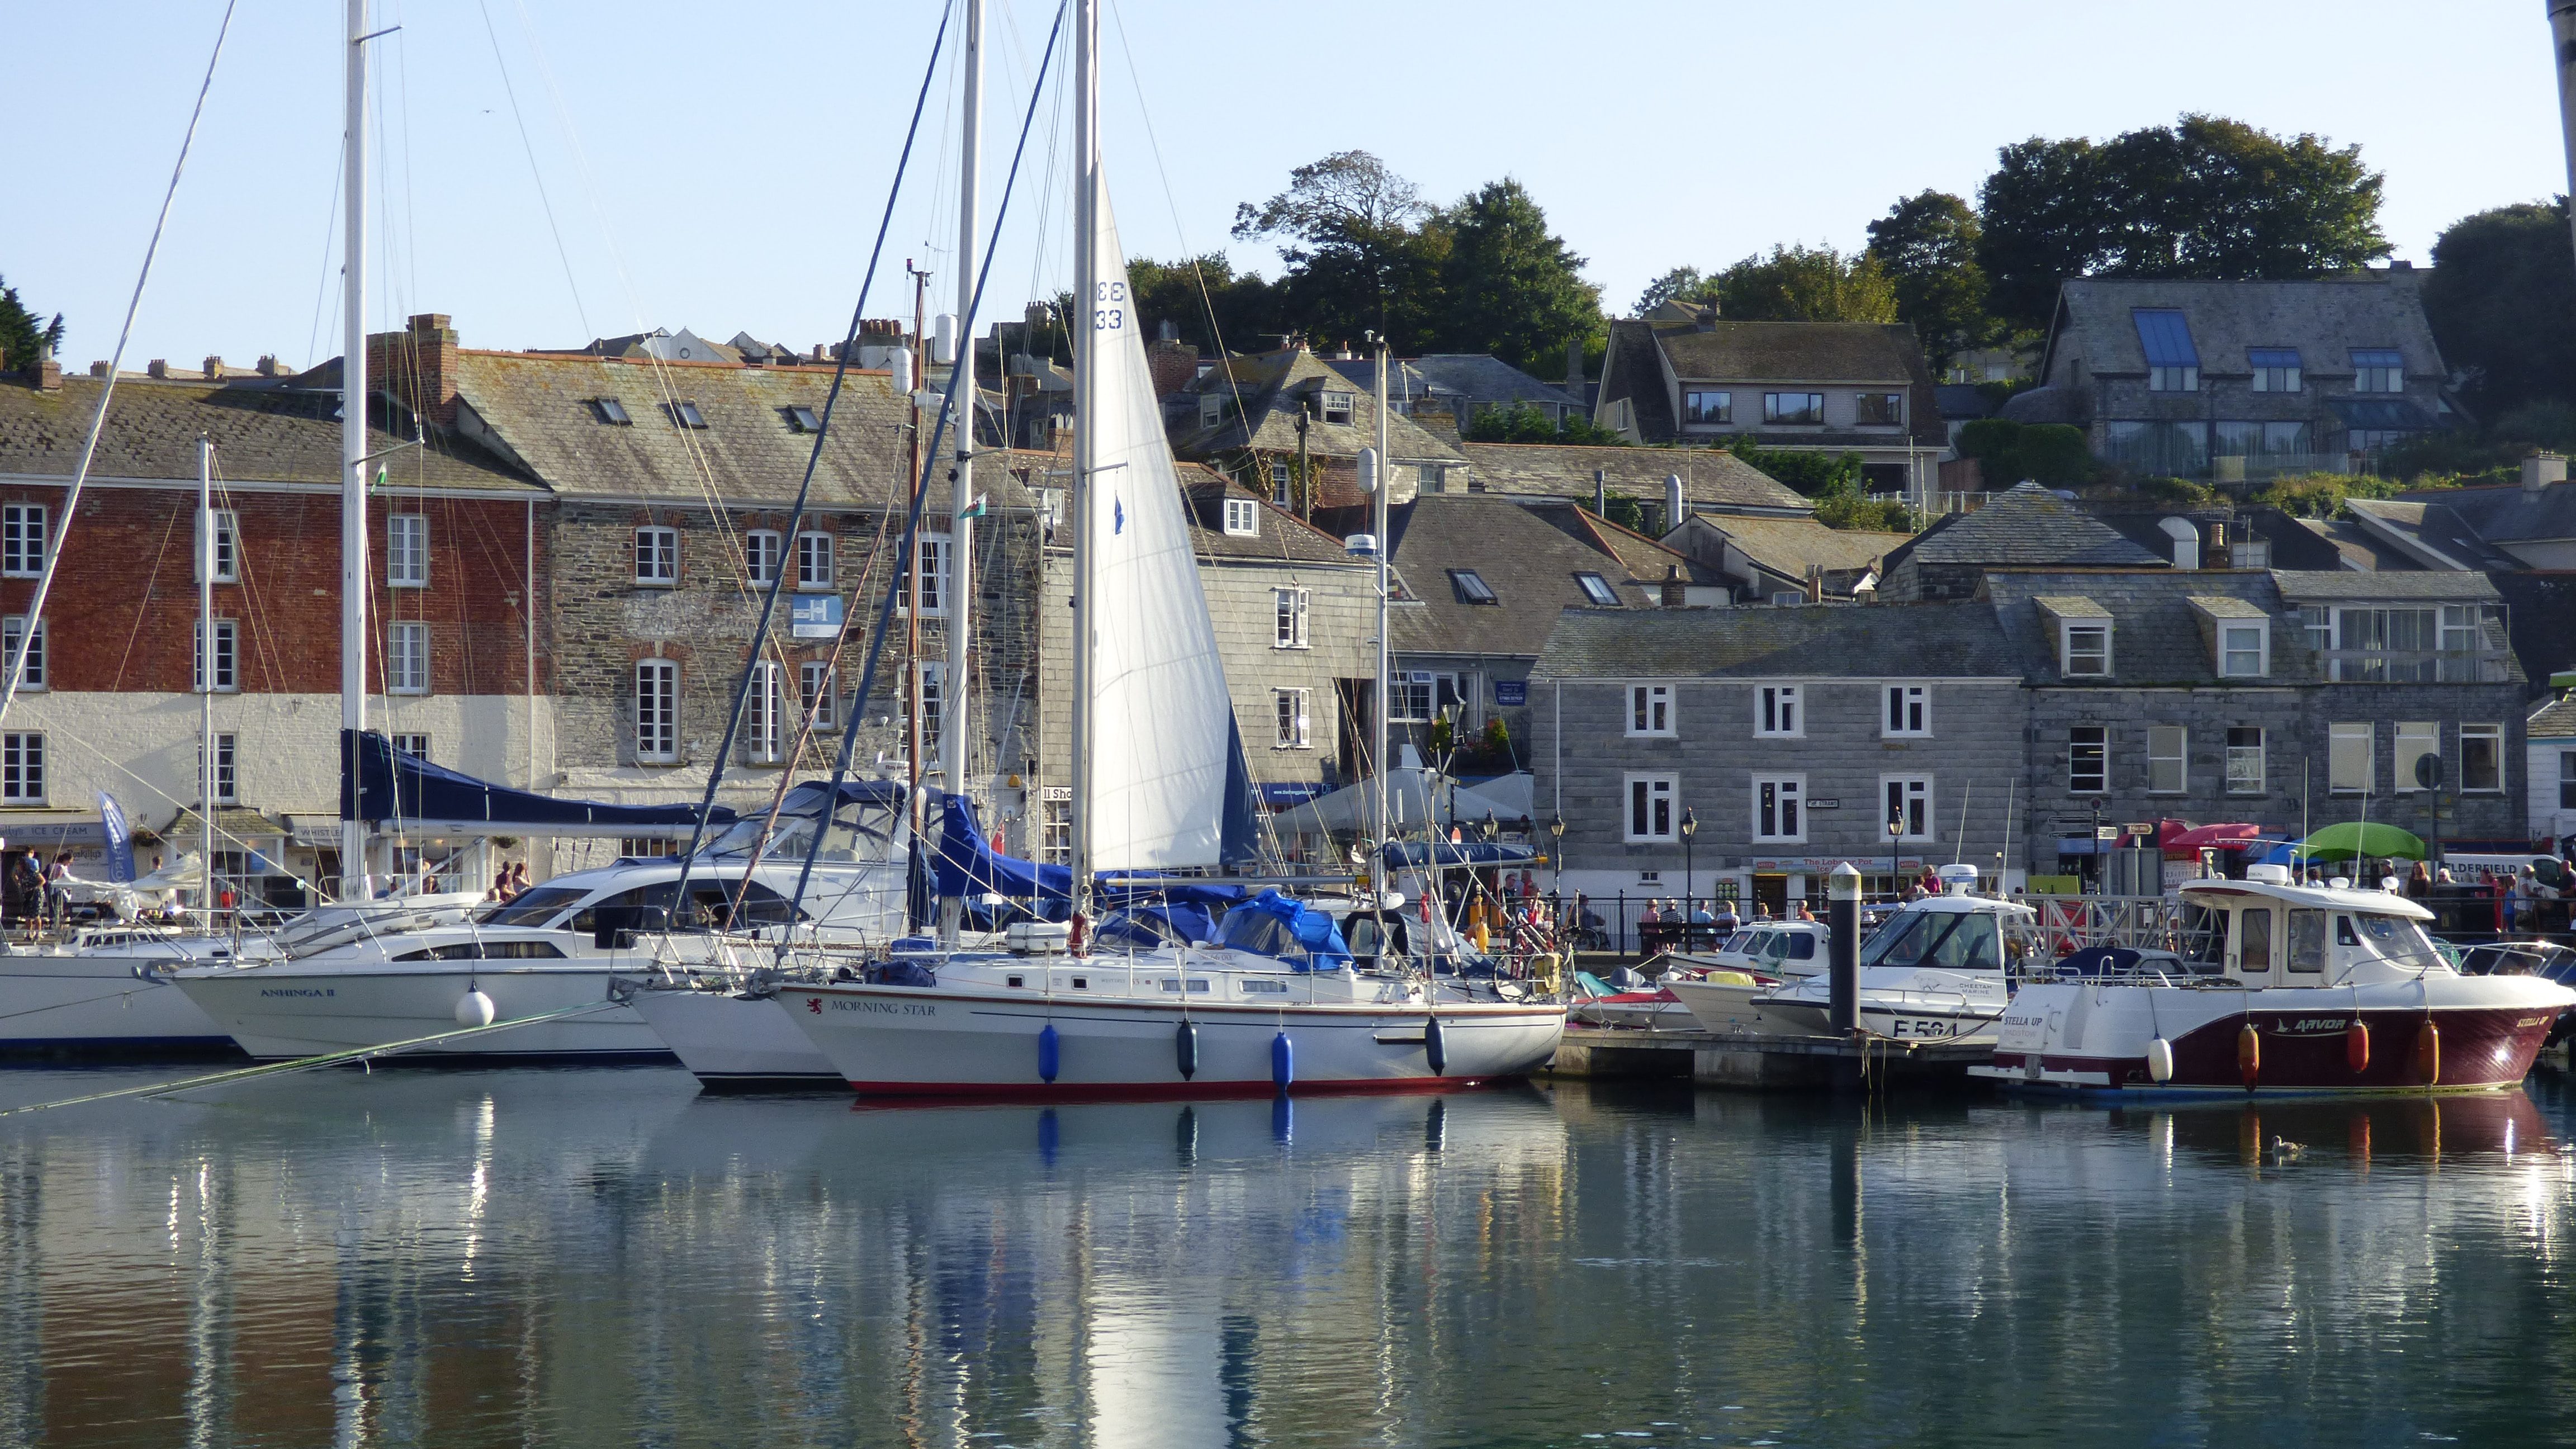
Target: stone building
[2239, 380]
[2285, 700]
[1789, 737]
[2024, 526]
[459, 655]
[1255, 418]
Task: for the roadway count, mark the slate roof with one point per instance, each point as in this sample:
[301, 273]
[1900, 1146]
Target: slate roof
[2324, 318]
[2420, 586]
[1527, 554]
[537, 410]
[1750, 354]
[2157, 636]
[1712, 478]
[1273, 388]
[1785, 546]
[2421, 530]
[2508, 515]
[2553, 721]
[1630, 371]
[2349, 545]
[2540, 620]
[1903, 641]
[264, 432]
[1284, 537]
[2026, 525]
[1470, 376]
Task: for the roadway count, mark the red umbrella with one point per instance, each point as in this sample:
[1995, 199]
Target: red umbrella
[2177, 836]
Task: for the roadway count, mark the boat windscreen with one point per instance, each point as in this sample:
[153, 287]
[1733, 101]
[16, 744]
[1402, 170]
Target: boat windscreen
[535, 908]
[862, 831]
[1941, 940]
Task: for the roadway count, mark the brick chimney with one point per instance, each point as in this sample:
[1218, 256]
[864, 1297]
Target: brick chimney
[214, 368]
[269, 366]
[49, 373]
[1173, 364]
[1676, 592]
[418, 365]
[159, 367]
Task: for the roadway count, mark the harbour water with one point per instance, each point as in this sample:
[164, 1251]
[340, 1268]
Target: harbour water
[606, 1257]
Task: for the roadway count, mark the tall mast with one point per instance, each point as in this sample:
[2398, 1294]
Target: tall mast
[961, 407]
[1385, 677]
[1086, 392]
[206, 668]
[353, 462]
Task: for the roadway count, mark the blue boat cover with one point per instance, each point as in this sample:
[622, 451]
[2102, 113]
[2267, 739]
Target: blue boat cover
[387, 784]
[1274, 925]
[969, 866]
[1411, 854]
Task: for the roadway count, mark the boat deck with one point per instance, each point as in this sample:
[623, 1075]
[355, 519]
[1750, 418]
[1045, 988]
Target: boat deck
[1761, 1062]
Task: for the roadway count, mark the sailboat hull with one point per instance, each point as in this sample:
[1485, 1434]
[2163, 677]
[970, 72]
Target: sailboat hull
[923, 1042]
[63, 1004]
[731, 1041]
[287, 1011]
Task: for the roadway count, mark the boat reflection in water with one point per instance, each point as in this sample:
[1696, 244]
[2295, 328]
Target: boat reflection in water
[604, 1256]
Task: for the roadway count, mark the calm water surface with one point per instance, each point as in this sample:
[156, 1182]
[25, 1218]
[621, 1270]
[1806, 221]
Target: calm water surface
[607, 1257]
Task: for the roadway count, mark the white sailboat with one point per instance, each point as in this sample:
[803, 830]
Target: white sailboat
[1272, 1005]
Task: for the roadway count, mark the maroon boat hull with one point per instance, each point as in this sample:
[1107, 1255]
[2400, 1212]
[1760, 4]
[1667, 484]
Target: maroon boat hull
[2307, 1052]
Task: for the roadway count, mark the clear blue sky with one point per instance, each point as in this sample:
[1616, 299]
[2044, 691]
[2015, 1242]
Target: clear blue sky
[721, 166]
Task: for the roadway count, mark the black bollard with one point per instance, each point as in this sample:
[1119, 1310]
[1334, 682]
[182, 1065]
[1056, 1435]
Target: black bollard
[1842, 958]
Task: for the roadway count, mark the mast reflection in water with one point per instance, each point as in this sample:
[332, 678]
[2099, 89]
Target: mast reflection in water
[604, 1257]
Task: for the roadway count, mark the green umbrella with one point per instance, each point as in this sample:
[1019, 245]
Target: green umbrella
[2343, 842]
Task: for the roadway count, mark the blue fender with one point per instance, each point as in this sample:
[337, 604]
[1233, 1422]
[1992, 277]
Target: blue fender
[1050, 1054]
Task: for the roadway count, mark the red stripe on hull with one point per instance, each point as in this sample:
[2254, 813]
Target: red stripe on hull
[886, 1094]
[2481, 1049]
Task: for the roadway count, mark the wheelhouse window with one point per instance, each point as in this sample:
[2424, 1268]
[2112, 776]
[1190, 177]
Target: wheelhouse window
[1708, 409]
[1793, 409]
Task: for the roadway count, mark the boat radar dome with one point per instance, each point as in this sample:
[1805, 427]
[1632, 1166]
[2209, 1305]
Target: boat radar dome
[2268, 874]
[1956, 879]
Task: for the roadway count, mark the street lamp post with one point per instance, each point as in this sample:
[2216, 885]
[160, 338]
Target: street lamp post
[1895, 866]
[1690, 876]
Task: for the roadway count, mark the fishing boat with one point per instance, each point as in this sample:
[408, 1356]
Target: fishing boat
[1935, 971]
[1274, 1003]
[2279, 989]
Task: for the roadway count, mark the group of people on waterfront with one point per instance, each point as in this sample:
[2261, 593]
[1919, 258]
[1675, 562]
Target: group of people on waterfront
[508, 883]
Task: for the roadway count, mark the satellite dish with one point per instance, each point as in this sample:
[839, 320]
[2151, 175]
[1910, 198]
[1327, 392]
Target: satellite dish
[2428, 771]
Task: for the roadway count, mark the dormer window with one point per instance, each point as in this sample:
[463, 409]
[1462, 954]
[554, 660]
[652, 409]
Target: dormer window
[804, 420]
[1242, 518]
[1471, 587]
[2084, 650]
[611, 411]
[2173, 363]
[685, 414]
[1337, 407]
[2276, 369]
[1211, 409]
[2378, 369]
[2244, 651]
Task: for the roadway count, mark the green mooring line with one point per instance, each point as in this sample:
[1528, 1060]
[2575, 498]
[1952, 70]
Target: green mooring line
[327, 1059]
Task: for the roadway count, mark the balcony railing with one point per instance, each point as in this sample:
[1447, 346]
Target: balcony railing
[2418, 666]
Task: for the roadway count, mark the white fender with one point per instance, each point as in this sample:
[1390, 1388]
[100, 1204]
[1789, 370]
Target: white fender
[2160, 1060]
[474, 1009]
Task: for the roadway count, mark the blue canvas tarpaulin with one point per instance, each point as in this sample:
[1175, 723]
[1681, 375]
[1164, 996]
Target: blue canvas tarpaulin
[388, 785]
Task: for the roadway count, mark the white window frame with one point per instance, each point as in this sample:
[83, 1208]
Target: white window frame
[764, 552]
[407, 657]
[2490, 732]
[2239, 754]
[2168, 759]
[2567, 779]
[657, 711]
[930, 696]
[227, 658]
[1910, 795]
[25, 535]
[1909, 713]
[1288, 716]
[2076, 743]
[2066, 651]
[227, 547]
[1650, 806]
[414, 745]
[1211, 409]
[1288, 610]
[1598, 591]
[2230, 652]
[227, 781]
[10, 630]
[1777, 712]
[1650, 712]
[2340, 734]
[1242, 518]
[1787, 817]
[657, 556]
[2416, 738]
[406, 550]
[1282, 482]
[929, 581]
[22, 768]
[817, 569]
[764, 725]
[817, 694]
[1336, 402]
[1406, 681]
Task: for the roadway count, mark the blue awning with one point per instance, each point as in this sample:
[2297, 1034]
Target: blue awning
[2166, 337]
[1410, 854]
[1288, 795]
[387, 784]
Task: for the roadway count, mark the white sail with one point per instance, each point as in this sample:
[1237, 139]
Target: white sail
[1162, 722]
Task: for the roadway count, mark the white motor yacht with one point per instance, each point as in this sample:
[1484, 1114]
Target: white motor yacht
[2279, 989]
[557, 947]
[1935, 971]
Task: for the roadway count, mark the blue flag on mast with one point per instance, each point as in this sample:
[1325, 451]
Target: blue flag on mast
[120, 840]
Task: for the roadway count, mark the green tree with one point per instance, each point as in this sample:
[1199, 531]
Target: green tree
[1187, 293]
[2502, 286]
[2051, 454]
[1806, 284]
[1359, 259]
[23, 341]
[1510, 286]
[1681, 284]
[2205, 198]
[1809, 473]
[1522, 423]
[1842, 504]
[1927, 246]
